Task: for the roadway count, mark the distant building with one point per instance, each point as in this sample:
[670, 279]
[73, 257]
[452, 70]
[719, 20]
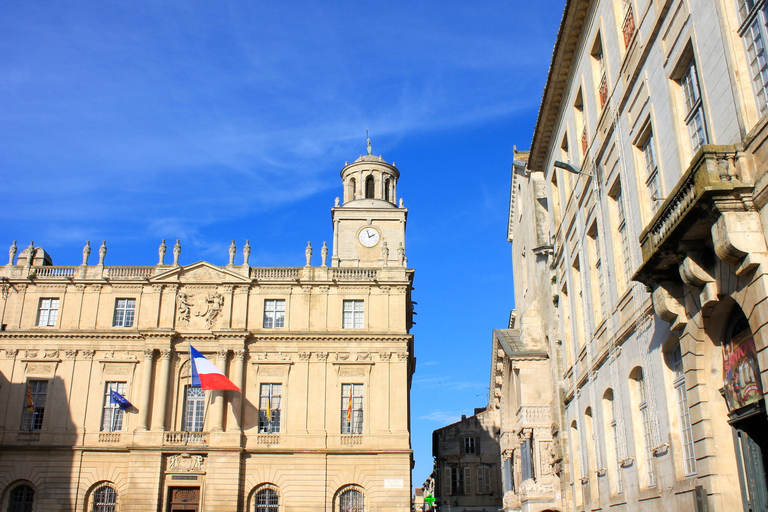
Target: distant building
[522, 379]
[466, 456]
[648, 174]
[322, 353]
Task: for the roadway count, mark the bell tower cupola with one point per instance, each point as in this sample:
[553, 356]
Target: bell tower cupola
[369, 225]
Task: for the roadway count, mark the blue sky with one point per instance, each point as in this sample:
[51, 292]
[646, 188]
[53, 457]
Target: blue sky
[211, 121]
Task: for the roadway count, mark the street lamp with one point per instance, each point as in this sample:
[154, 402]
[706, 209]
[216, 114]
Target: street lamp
[567, 166]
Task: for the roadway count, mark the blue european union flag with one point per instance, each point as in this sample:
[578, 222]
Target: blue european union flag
[120, 400]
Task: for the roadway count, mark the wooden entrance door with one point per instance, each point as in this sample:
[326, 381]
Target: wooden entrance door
[183, 499]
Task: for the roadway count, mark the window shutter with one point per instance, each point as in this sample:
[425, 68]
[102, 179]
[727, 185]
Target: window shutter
[477, 445]
[467, 479]
[447, 480]
[480, 480]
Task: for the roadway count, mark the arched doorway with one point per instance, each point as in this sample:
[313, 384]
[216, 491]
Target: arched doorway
[743, 393]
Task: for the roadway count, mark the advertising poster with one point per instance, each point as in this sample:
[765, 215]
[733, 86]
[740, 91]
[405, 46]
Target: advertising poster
[741, 373]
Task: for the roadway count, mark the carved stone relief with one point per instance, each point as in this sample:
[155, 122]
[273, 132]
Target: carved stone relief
[185, 463]
[40, 368]
[352, 372]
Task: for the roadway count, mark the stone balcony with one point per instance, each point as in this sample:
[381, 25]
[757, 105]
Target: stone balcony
[717, 183]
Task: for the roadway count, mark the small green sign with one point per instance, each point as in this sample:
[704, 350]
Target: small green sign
[430, 500]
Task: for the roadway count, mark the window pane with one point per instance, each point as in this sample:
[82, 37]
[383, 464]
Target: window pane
[194, 409]
[34, 405]
[112, 419]
[22, 498]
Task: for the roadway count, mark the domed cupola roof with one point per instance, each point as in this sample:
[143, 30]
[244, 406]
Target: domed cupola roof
[370, 181]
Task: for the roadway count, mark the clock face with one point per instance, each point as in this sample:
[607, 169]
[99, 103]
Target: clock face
[369, 237]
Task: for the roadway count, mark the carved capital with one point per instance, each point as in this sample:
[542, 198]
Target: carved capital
[402, 356]
[222, 355]
[11, 353]
[240, 354]
[322, 356]
[149, 354]
[165, 354]
[304, 356]
[88, 354]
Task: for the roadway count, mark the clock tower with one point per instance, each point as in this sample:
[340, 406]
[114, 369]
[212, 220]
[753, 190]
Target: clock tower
[369, 226]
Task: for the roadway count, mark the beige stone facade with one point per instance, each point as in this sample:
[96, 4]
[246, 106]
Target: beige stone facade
[322, 353]
[648, 166]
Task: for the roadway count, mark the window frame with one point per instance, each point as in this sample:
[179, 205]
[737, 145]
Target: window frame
[273, 424]
[355, 393]
[687, 445]
[645, 419]
[693, 103]
[270, 497]
[32, 421]
[469, 445]
[24, 503]
[754, 32]
[351, 499]
[353, 314]
[125, 312]
[109, 500]
[274, 316]
[113, 415]
[194, 409]
[48, 316]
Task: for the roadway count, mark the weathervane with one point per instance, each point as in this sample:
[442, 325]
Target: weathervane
[369, 141]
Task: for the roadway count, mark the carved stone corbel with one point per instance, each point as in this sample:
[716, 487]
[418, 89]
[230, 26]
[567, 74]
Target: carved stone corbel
[667, 303]
[695, 276]
[738, 240]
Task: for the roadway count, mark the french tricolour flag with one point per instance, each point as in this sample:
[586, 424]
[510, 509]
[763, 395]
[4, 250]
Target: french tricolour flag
[206, 375]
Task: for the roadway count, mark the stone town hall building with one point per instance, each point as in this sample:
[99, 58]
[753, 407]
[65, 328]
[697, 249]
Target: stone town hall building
[322, 353]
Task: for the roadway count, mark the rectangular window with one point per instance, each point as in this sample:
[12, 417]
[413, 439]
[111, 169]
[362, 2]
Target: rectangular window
[645, 414]
[112, 416]
[354, 313]
[615, 434]
[351, 408]
[483, 480]
[194, 409]
[754, 18]
[470, 446]
[622, 228]
[681, 393]
[460, 478]
[34, 405]
[124, 312]
[48, 312]
[694, 111]
[651, 172]
[628, 26]
[274, 313]
[270, 405]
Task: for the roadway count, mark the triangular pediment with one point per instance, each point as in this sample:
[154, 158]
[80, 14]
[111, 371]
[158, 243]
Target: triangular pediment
[201, 272]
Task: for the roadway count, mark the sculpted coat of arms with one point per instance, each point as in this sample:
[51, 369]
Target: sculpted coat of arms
[191, 309]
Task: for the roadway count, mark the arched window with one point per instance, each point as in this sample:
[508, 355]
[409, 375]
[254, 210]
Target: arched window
[104, 499]
[266, 500]
[369, 187]
[21, 499]
[351, 500]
